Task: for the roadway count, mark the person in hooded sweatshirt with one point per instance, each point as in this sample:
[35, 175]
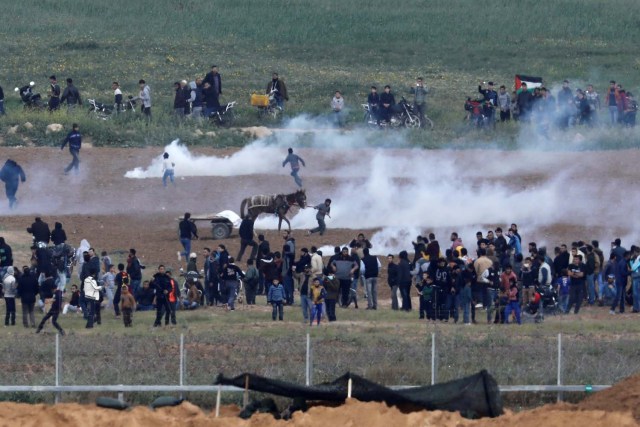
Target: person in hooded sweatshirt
[40, 231]
[11, 174]
[28, 289]
[58, 236]
[9, 287]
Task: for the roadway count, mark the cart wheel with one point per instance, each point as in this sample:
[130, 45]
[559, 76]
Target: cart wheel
[220, 230]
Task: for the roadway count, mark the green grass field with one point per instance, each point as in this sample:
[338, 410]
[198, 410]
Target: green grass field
[393, 348]
[316, 46]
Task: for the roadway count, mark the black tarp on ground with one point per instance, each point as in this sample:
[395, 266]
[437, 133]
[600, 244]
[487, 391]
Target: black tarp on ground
[474, 396]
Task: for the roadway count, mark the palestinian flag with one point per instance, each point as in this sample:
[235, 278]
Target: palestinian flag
[532, 82]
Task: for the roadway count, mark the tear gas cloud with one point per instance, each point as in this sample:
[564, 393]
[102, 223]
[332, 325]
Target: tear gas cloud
[404, 191]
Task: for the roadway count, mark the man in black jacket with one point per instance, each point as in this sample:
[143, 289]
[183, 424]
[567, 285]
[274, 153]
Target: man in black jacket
[215, 81]
[246, 238]
[162, 285]
[11, 173]
[524, 101]
[370, 271]
[6, 256]
[387, 102]
[134, 269]
[58, 236]
[392, 281]
[71, 95]
[28, 289]
[280, 94]
[187, 230]
[180, 100]
[74, 138]
[40, 231]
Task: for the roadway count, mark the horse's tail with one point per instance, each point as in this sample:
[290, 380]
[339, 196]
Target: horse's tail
[242, 205]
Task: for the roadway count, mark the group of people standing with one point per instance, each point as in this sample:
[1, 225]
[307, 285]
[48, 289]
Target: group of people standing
[538, 105]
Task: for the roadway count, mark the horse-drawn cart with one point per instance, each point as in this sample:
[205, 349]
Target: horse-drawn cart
[222, 223]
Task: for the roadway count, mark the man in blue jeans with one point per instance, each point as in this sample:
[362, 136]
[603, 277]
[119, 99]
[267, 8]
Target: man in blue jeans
[294, 161]
[187, 230]
[635, 281]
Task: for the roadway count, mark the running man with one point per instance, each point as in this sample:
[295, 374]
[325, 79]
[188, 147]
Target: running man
[74, 138]
[323, 210]
[294, 160]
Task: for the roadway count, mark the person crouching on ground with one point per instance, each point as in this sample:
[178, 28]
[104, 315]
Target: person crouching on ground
[193, 297]
[513, 305]
[318, 294]
[276, 299]
[127, 306]
[74, 303]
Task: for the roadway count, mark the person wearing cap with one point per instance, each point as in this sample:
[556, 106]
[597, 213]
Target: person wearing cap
[188, 230]
[54, 93]
[71, 95]
[279, 88]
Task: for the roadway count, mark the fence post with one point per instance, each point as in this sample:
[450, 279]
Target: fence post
[559, 378]
[433, 358]
[58, 394]
[218, 398]
[308, 362]
[181, 363]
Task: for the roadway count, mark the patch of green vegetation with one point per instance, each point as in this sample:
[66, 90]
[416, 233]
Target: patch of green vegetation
[317, 47]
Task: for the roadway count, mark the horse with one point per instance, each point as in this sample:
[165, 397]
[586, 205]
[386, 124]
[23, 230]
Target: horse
[278, 204]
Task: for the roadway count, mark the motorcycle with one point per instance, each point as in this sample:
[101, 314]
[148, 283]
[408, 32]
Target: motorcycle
[191, 277]
[268, 108]
[403, 116]
[104, 111]
[224, 116]
[30, 100]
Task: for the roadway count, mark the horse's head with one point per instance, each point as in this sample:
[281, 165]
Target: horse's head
[301, 198]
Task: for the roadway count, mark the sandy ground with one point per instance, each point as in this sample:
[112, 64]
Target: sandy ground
[617, 406]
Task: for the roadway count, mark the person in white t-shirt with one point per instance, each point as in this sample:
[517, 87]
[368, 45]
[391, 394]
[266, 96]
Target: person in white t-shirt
[167, 170]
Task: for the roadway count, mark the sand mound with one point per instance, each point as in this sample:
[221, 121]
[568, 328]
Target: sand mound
[624, 396]
[351, 413]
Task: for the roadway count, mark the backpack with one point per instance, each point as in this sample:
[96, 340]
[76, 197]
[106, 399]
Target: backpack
[124, 276]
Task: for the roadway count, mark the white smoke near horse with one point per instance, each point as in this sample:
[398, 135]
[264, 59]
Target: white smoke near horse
[404, 191]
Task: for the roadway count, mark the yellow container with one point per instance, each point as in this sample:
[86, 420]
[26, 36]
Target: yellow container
[259, 100]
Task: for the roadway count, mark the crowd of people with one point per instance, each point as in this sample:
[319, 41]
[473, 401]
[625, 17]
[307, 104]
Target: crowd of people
[494, 275]
[200, 98]
[538, 105]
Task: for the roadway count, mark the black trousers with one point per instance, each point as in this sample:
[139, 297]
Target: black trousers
[54, 320]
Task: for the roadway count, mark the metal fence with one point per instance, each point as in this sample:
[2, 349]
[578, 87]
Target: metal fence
[181, 387]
